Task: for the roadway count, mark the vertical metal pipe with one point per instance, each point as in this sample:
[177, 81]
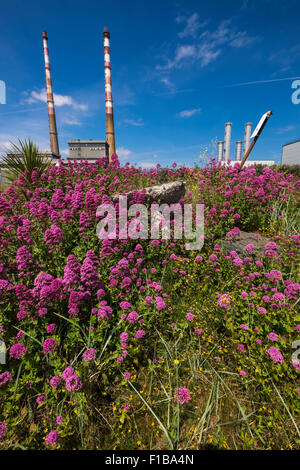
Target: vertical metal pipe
[238, 150]
[50, 100]
[227, 139]
[220, 150]
[110, 131]
[248, 127]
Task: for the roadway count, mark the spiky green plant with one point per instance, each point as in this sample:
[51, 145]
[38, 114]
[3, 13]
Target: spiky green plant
[23, 159]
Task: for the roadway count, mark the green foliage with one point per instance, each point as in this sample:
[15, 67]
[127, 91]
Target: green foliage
[23, 159]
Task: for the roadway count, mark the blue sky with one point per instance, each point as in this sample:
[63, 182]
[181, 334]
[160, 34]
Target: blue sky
[179, 72]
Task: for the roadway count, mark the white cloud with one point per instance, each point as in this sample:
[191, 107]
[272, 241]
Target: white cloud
[285, 129]
[242, 40]
[189, 112]
[208, 46]
[123, 152]
[59, 100]
[166, 81]
[192, 25]
[134, 122]
[71, 121]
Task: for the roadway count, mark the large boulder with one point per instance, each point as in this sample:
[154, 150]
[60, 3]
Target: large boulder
[167, 193]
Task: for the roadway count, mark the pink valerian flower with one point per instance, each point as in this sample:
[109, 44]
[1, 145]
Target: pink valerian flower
[104, 312]
[258, 341]
[234, 233]
[132, 317]
[241, 347]
[261, 310]
[4, 378]
[59, 419]
[224, 301]
[53, 236]
[126, 407]
[273, 337]
[41, 398]
[125, 305]
[182, 395]
[124, 336]
[55, 381]
[24, 261]
[270, 246]
[148, 300]
[51, 328]
[297, 328]
[89, 271]
[296, 364]
[244, 295]
[42, 311]
[68, 372]
[244, 327]
[243, 373]
[140, 334]
[278, 297]
[51, 438]
[190, 316]
[127, 376]
[160, 304]
[275, 355]
[120, 359]
[49, 345]
[3, 429]
[17, 350]
[100, 293]
[72, 271]
[250, 247]
[198, 331]
[89, 354]
[73, 383]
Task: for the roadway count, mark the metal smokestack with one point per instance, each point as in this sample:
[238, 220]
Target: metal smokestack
[248, 127]
[227, 139]
[238, 150]
[110, 131]
[220, 150]
[50, 100]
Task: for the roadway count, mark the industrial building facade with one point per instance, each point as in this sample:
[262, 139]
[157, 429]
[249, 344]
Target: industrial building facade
[291, 153]
[90, 150]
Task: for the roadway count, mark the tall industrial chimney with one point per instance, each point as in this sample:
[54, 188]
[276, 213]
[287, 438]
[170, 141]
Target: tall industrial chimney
[50, 100]
[110, 131]
[220, 150]
[248, 127]
[227, 139]
[238, 150]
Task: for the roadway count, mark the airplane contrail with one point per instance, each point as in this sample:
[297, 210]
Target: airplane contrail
[260, 81]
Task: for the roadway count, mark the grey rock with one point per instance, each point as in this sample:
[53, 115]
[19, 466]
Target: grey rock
[167, 193]
[245, 238]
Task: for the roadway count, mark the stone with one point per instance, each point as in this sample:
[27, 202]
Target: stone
[245, 238]
[167, 193]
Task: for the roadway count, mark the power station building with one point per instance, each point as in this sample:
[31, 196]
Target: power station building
[291, 153]
[90, 150]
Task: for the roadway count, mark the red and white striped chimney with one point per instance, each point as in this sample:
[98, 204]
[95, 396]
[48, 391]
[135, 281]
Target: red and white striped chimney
[110, 131]
[50, 100]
